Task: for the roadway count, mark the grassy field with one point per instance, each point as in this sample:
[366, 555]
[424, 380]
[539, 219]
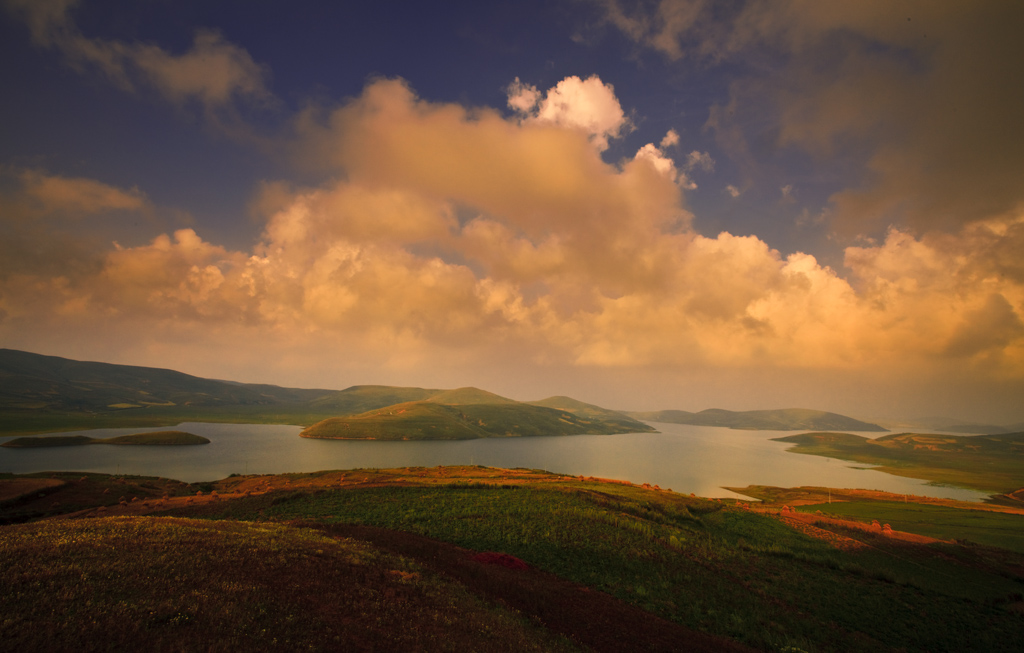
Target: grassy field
[991, 463]
[180, 584]
[152, 438]
[685, 568]
[941, 522]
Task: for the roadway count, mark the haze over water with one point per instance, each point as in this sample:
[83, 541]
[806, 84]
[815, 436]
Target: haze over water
[687, 459]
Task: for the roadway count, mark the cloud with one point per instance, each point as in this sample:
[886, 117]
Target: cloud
[212, 72]
[77, 196]
[523, 97]
[700, 160]
[589, 105]
[733, 191]
[458, 237]
[665, 165]
[661, 29]
[922, 96]
[539, 177]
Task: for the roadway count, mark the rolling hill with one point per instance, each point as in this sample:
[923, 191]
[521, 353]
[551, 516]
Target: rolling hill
[441, 418]
[40, 394]
[992, 463]
[786, 419]
[36, 382]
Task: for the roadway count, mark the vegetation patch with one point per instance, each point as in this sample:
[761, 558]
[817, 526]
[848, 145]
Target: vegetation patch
[179, 584]
[711, 566]
[572, 560]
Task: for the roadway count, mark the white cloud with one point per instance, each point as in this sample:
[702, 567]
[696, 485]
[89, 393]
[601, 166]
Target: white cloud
[657, 158]
[522, 97]
[733, 191]
[588, 105]
[664, 164]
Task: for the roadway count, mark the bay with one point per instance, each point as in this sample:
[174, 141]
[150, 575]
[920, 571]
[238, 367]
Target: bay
[697, 459]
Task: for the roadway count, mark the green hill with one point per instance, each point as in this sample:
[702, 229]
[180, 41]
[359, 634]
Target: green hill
[467, 396]
[786, 419]
[431, 420]
[37, 382]
[993, 463]
[417, 420]
[591, 412]
[361, 398]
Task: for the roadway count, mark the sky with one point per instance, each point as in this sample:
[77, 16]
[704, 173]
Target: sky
[645, 205]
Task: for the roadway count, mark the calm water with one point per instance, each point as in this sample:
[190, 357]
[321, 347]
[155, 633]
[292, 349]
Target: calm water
[687, 459]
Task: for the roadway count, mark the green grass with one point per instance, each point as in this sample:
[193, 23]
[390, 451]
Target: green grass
[991, 463]
[135, 583]
[161, 438]
[718, 570]
[703, 564]
[941, 522]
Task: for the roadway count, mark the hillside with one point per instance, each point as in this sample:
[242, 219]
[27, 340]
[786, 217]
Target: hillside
[786, 419]
[361, 398]
[435, 420]
[50, 383]
[992, 463]
[482, 559]
[591, 412]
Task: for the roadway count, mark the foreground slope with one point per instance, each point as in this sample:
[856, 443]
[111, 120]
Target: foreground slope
[603, 565]
[221, 585]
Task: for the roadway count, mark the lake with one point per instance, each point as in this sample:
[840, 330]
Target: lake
[697, 459]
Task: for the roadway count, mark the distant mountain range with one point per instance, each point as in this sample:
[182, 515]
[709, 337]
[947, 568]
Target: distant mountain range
[49, 383]
[47, 393]
[786, 419]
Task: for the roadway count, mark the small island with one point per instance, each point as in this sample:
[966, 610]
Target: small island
[157, 438]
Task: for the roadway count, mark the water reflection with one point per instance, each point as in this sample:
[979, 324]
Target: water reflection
[687, 459]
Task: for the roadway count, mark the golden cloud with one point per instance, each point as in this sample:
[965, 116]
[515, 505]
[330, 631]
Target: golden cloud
[459, 233]
[52, 194]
